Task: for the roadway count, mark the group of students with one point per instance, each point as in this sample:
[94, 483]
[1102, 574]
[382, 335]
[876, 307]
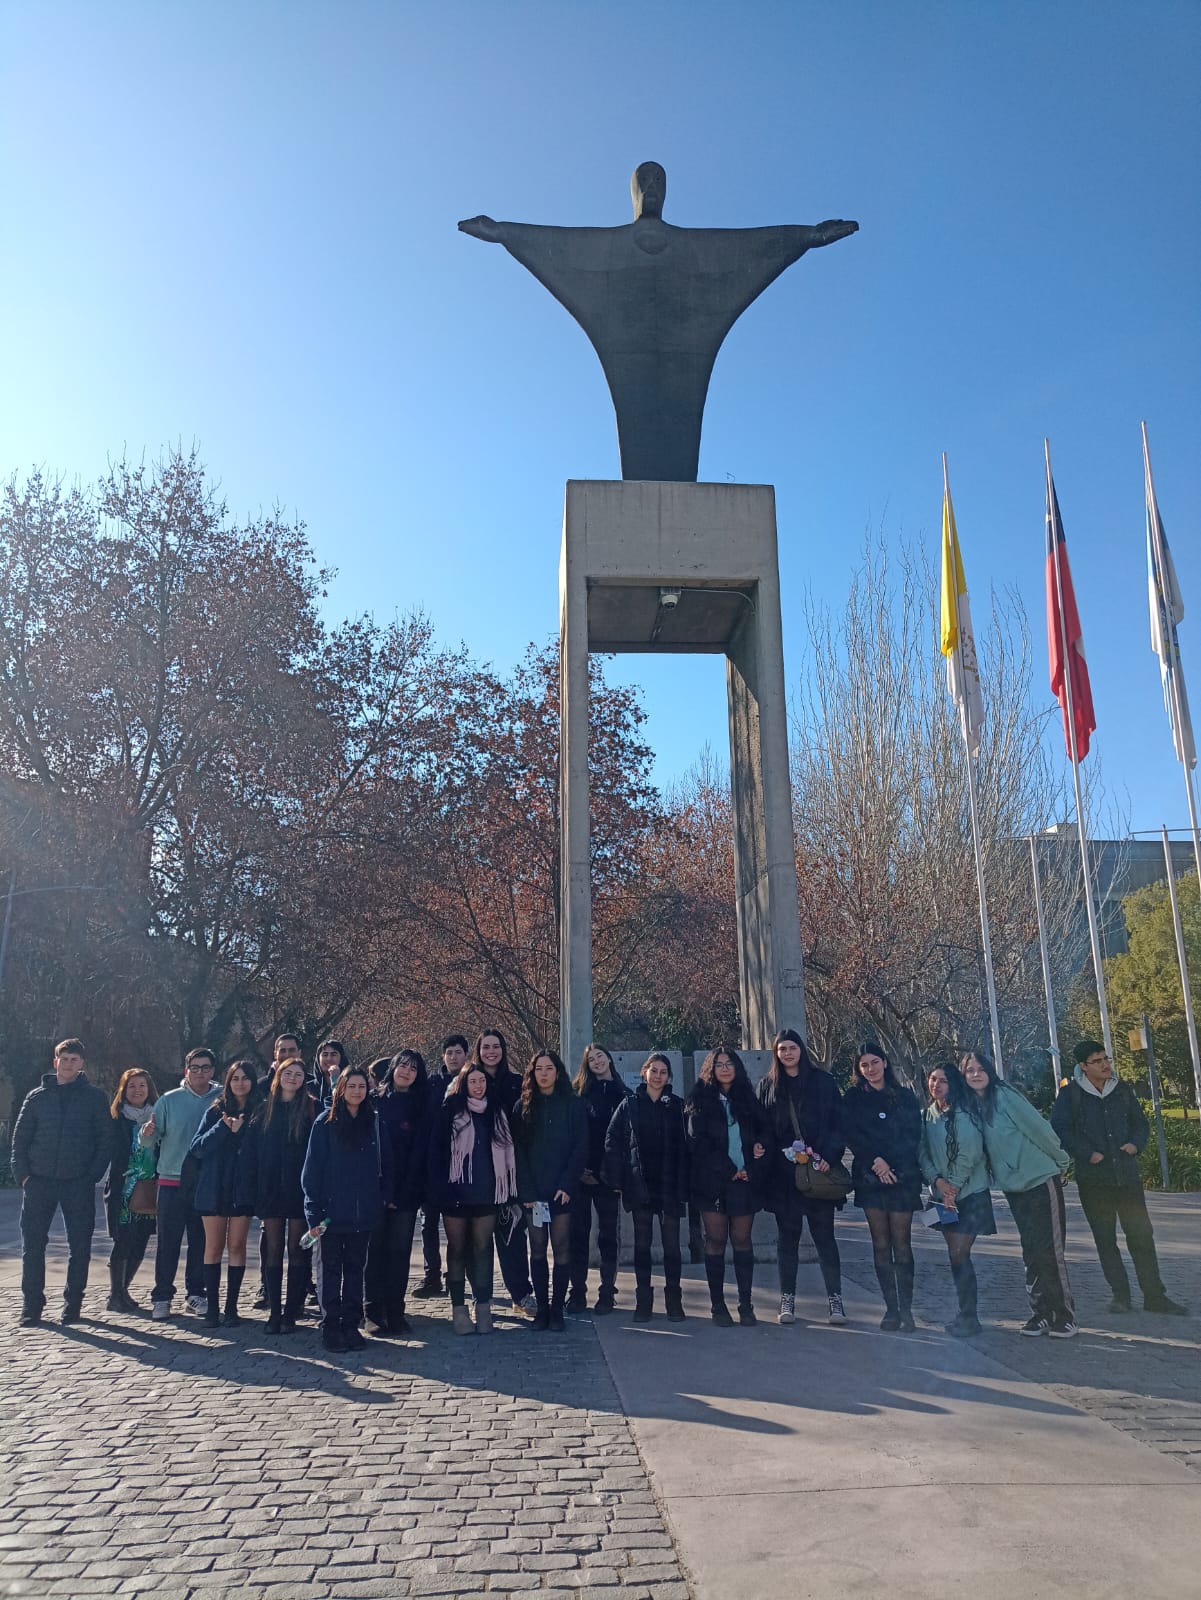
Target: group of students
[337, 1166]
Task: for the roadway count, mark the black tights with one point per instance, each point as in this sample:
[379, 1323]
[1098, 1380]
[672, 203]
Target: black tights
[719, 1227]
[669, 1235]
[820, 1217]
[890, 1230]
[469, 1257]
[963, 1273]
[556, 1233]
[278, 1232]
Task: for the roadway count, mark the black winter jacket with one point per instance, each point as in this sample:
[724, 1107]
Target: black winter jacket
[600, 1099]
[407, 1117]
[818, 1104]
[440, 1192]
[271, 1163]
[63, 1132]
[642, 1129]
[219, 1185]
[709, 1164]
[550, 1146]
[348, 1183]
[1089, 1123]
[877, 1123]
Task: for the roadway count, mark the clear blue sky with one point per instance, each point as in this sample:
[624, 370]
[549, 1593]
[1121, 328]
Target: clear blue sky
[235, 224]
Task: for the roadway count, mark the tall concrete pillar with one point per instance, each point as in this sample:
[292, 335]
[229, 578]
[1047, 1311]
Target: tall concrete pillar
[685, 568]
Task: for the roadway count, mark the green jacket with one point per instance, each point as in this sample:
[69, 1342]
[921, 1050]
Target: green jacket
[968, 1173]
[1021, 1146]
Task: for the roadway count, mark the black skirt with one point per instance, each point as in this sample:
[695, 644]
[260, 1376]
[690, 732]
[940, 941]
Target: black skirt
[975, 1215]
[906, 1195]
[737, 1199]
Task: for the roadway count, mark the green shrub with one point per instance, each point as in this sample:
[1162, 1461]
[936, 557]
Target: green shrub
[1183, 1140]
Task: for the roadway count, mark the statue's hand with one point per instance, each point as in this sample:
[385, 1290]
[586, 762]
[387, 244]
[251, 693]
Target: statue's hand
[481, 228]
[827, 232]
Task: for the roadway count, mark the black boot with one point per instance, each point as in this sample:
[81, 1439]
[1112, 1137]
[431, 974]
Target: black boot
[118, 1299]
[298, 1289]
[886, 1277]
[644, 1302]
[540, 1278]
[744, 1276]
[212, 1292]
[673, 1298]
[558, 1294]
[233, 1285]
[904, 1272]
[967, 1324]
[715, 1272]
[133, 1261]
[275, 1296]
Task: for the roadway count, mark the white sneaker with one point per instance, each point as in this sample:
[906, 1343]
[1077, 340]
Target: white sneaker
[837, 1314]
[160, 1311]
[787, 1309]
[198, 1304]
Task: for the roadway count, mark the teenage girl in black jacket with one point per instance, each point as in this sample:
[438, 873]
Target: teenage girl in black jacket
[883, 1126]
[646, 1159]
[601, 1091]
[550, 1132]
[218, 1146]
[276, 1144]
[727, 1143]
[802, 1103]
[404, 1109]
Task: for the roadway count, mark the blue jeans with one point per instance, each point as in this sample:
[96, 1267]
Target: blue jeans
[177, 1217]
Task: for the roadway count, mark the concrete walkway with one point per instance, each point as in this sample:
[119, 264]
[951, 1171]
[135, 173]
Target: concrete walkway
[816, 1461]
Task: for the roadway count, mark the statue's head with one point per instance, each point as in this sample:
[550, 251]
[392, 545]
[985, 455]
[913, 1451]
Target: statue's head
[648, 188]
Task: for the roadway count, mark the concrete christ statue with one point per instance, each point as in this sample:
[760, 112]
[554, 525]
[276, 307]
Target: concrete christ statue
[656, 302]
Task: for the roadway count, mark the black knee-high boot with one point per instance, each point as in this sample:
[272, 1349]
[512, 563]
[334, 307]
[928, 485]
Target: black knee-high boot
[540, 1278]
[744, 1275]
[904, 1272]
[298, 1288]
[560, 1277]
[886, 1277]
[963, 1276]
[274, 1273]
[715, 1272]
[212, 1292]
[233, 1286]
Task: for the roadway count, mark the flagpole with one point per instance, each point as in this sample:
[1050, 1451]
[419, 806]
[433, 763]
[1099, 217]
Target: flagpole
[1177, 718]
[985, 935]
[1052, 1031]
[1094, 934]
[1189, 1019]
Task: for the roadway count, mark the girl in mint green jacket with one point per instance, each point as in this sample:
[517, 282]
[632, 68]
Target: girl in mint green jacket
[1028, 1163]
[953, 1163]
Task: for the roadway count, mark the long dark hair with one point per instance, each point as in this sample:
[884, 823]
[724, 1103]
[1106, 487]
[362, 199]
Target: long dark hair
[741, 1095]
[982, 1106]
[585, 1077]
[359, 1128]
[531, 1094]
[892, 1084]
[490, 1033]
[775, 1072]
[961, 1101]
[495, 1121]
[411, 1058]
[299, 1112]
[225, 1100]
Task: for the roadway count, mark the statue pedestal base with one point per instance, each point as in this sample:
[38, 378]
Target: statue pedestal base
[686, 568]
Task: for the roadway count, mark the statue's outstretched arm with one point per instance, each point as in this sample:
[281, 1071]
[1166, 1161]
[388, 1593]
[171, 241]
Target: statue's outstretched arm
[482, 228]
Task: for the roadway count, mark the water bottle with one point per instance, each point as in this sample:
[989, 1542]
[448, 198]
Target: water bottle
[309, 1239]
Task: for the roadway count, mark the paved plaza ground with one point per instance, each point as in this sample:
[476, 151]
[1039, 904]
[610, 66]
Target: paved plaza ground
[635, 1463]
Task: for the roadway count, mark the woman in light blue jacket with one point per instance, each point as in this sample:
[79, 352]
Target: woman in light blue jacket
[953, 1163]
[1028, 1163]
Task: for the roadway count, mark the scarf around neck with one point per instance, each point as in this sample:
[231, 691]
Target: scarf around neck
[462, 1148]
[139, 1114]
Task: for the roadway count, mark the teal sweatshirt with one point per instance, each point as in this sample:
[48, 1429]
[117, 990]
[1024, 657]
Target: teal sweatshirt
[968, 1174]
[1022, 1147]
[176, 1118]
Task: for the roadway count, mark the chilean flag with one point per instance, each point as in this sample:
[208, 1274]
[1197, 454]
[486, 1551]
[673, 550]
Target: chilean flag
[1065, 644]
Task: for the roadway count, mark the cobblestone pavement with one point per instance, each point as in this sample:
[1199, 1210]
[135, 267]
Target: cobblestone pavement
[144, 1458]
[1141, 1373]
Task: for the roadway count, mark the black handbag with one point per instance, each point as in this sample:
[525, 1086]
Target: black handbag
[835, 1184]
